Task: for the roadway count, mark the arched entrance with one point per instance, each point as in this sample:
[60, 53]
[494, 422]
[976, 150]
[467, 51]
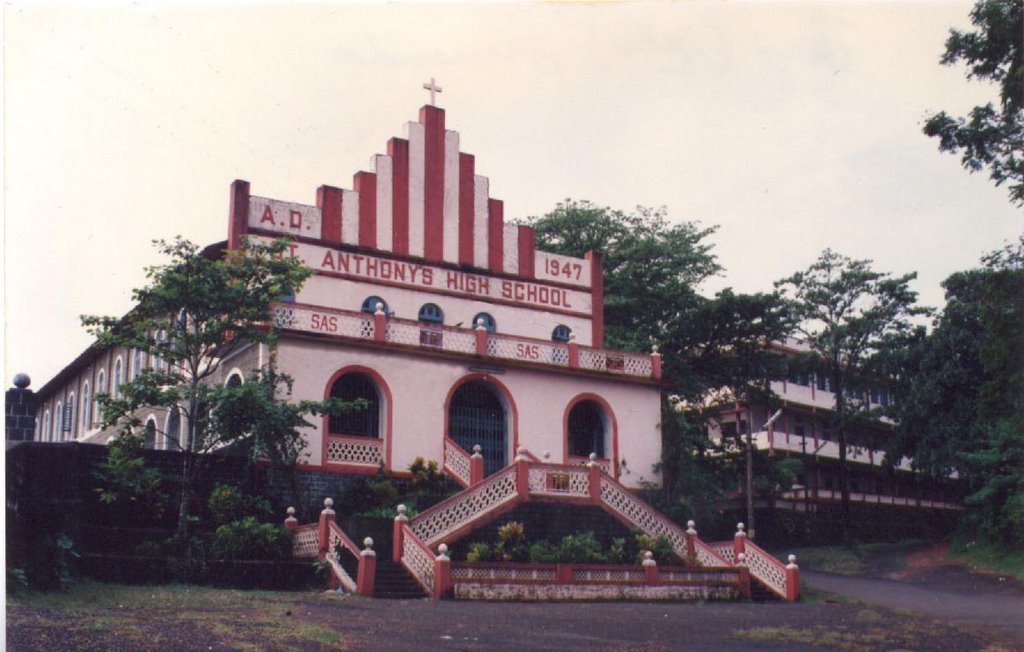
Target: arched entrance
[476, 415]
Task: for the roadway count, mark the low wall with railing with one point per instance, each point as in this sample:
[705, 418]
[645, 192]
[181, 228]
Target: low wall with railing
[524, 480]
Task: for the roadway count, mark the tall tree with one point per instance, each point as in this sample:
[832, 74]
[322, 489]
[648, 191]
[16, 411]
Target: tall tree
[989, 137]
[848, 314]
[195, 311]
[961, 401]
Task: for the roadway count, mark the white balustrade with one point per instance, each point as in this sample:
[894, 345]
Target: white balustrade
[306, 542]
[418, 560]
[642, 515]
[767, 569]
[546, 480]
[355, 450]
[441, 520]
[456, 462]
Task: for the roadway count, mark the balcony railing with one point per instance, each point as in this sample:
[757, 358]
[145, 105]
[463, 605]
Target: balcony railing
[476, 341]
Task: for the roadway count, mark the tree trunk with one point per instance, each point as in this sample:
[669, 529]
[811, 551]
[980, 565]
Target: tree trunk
[184, 548]
[750, 479]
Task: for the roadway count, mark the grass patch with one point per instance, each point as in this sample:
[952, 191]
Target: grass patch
[855, 560]
[989, 557]
[244, 620]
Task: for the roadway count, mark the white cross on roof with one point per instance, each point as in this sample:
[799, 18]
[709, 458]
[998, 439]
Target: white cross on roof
[433, 88]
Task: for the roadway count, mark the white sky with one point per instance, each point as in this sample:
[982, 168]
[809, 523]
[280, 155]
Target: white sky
[792, 125]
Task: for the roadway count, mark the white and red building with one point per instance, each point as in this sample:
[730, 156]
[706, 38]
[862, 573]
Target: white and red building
[444, 317]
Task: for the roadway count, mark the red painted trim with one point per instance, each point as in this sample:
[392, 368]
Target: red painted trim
[612, 423]
[365, 183]
[398, 150]
[507, 400]
[383, 387]
[526, 252]
[495, 235]
[238, 213]
[597, 297]
[466, 206]
[432, 119]
[328, 200]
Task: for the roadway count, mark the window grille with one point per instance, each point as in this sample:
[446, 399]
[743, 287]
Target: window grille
[430, 312]
[561, 333]
[587, 430]
[361, 422]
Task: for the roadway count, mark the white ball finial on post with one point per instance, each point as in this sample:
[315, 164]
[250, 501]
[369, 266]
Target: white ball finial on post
[328, 504]
[792, 562]
[442, 552]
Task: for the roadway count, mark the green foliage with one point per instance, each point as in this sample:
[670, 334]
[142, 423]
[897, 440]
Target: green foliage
[480, 551]
[227, 504]
[511, 544]
[194, 312]
[250, 539]
[659, 546]
[996, 506]
[542, 552]
[126, 483]
[989, 137]
[851, 317]
[427, 477]
[581, 549]
[17, 580]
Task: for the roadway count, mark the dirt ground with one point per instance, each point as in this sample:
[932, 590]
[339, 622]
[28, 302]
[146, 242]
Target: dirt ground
[101, 617]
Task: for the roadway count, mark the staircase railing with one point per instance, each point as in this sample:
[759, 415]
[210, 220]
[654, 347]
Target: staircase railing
[326, 540]
[524, 478]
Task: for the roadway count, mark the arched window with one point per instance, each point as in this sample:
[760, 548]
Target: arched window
[476, 416]
[234, 380]
[172, 437]
[488, 321]
[136, 364]
[587, 430]
[69, 418]
[58, 417]
[359, 422]
[370, 304]
[44, 434]
[561, 333]
[149, 439]
[101, 388]
[85, 414]
[115, 384]
[430, 312]
[155, 358]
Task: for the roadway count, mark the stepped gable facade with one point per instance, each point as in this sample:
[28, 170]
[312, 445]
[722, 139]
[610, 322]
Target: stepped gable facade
[447, 320]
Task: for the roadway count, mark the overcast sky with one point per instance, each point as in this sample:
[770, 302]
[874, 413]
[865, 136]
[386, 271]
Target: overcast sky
[792, 126]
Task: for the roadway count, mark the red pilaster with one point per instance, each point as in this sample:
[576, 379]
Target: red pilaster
[744, 581]
[526, 249]
[495, 234]
[574, 353]
[466, 208]
[380, 326]
[563, 573]
[324, 530]
[238, 213]
[523, 479]
[397, 537]
[656, 365]
[596, 297]
[738, 542]
[432, 119]
[328, 200]
[442, 576]
[594, 483]
[398, 150]
[365, 183]
[481, 340]
[792, 580]
[476, 469]
[367, 572]
[651, 573]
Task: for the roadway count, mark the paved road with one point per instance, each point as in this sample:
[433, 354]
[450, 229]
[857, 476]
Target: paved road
[1000, 610]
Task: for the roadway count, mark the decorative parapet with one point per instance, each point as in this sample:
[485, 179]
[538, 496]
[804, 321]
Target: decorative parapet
[302, 318]
[359, 451]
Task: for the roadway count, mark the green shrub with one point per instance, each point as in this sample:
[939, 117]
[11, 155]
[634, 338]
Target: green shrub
[543, 552]
[480, 551]
[227, 504]
[511, 544]
[250, 539]
[581, 549]
[660, 547]
[150, 549]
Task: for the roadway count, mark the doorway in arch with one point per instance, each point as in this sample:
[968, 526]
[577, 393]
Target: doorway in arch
[476, 415]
